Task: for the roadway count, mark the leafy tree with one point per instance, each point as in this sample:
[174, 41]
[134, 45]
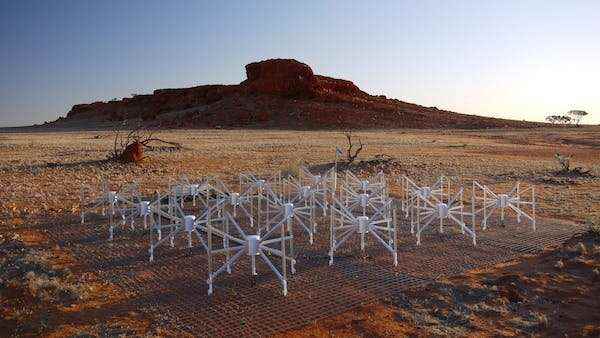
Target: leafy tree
[563, 119]
[552, 119]
[577, 115]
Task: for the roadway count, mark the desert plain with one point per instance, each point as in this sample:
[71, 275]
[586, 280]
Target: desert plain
[552, 293]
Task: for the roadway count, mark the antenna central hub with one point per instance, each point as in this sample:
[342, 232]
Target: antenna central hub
[253, 243]
[305, 191]
[363, 224]
[235, 199]
[502, 201]
[189, 222]
[443, 210]
[364, 200]
[112, 197]
[289, 210]
[144, 208]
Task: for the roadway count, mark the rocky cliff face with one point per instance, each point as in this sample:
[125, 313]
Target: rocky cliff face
[283, 78]
[279, 93]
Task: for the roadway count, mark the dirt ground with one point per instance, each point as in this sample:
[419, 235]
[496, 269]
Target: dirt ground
[41, 175]
[554, 294]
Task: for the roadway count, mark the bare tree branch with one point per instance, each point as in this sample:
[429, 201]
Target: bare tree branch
[143, 136]
[352, 157]
[174, 144]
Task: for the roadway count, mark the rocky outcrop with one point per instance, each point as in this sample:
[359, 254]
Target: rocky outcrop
[279, 93]
[151, 106]
[280, 77]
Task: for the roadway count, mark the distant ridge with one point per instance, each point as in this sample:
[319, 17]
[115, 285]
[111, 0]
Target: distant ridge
[279, 93]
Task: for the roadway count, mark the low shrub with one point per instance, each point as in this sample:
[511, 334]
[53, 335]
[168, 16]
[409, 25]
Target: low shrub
[593, 223]
[291, 170]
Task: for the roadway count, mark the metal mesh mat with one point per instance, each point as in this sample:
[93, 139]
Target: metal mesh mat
[172, 290]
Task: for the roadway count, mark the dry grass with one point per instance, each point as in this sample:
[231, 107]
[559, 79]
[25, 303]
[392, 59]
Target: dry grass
[41, 173]
[37, 270]
[33, 287]
[39, 293]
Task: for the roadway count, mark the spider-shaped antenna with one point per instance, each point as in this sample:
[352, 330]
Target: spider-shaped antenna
[430, 209]
[380, 225]
[123, 203]
[514, 200]
[178, 222]
[412, 195]
[236, 243]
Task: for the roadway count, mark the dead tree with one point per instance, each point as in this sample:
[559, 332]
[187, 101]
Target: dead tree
[130, 143]
[351, 157]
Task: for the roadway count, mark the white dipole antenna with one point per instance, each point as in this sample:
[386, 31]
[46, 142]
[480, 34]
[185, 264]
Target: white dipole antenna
[180, 222]
[253, 246]
[413, 194]
[378, 226]
[505, 202]
[321, 185]
[432, 209]
[104, 200]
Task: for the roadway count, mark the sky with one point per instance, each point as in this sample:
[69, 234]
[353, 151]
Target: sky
[512, 59]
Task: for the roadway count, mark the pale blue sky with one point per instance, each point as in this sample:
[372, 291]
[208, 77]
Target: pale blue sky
[514, 59]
